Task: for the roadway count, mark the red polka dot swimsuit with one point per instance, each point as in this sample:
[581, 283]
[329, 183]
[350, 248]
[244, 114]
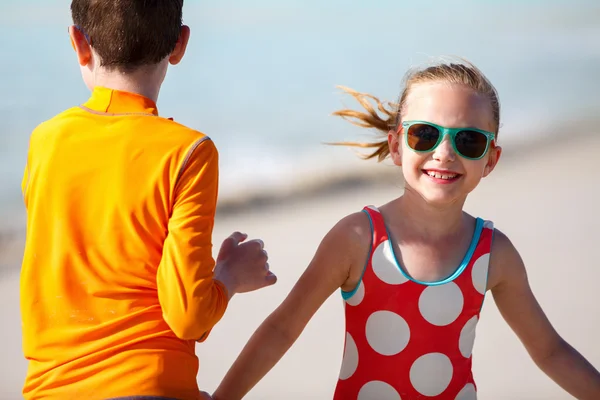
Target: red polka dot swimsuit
[407, 339]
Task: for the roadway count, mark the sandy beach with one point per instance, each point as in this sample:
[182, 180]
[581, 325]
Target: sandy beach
[544, 198]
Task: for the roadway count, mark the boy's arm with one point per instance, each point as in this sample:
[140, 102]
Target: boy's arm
[519, 307]
[191, 300]
[330, 268]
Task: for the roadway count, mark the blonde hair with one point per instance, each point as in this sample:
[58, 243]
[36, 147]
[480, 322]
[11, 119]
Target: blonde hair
[460, 73]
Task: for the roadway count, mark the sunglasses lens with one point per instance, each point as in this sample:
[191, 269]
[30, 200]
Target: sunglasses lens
[471, 144]
[422, 137]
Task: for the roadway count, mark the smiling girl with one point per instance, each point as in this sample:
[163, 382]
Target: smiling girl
[413, 272]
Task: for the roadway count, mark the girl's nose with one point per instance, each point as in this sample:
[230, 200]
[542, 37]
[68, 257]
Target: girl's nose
[445, 151]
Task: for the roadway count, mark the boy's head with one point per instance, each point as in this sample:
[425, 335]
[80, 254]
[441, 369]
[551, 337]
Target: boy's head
[126, 35]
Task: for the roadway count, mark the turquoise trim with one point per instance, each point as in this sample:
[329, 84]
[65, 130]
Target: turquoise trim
[348, 295]
[459, 270]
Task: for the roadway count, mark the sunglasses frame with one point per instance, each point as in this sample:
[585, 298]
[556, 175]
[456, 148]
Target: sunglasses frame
[452, 132]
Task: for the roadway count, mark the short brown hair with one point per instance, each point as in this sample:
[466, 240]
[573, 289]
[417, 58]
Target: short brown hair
[461, 72]
[127, 34]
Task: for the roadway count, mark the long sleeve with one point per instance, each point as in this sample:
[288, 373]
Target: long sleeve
[192, 301]
[117, 270]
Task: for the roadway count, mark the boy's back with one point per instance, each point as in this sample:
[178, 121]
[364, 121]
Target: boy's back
[118, 280]
[100, 187]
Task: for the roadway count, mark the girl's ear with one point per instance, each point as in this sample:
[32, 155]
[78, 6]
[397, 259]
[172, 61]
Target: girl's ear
[495, 153]
[395, 147]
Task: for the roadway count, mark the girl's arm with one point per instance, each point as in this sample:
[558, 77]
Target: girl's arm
[338, 261]
[519, 307]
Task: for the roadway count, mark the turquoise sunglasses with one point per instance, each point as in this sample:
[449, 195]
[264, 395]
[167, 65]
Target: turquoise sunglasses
[470, 143]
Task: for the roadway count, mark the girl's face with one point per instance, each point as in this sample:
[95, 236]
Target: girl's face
[441, 176]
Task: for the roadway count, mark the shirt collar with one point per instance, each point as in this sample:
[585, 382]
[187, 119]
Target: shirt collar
[112, 101]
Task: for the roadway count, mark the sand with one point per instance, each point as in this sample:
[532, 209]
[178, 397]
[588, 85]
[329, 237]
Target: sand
[546, 200]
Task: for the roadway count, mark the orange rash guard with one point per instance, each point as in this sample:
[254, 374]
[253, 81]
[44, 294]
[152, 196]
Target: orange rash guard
[117, 276]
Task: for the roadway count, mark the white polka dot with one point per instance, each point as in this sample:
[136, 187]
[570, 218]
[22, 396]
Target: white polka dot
[431, 374]
[378, 390]
[385, 267]
[441, 305]
[350, 361]
[467, 337]
[387, 332]
[479, 273]
[358, 296]
[488, 225]
[467, 393]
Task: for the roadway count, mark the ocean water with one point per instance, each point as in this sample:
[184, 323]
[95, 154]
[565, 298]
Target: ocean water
[259, 77]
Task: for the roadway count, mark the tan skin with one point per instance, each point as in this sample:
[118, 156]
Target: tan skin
[428, 228]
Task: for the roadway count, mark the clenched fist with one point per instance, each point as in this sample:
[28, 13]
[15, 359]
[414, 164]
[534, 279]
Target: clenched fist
[242, 266]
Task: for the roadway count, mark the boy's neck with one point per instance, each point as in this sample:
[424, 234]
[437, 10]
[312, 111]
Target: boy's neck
[143, 81]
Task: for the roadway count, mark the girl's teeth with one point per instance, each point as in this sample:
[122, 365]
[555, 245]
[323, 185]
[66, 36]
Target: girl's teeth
[440, 176]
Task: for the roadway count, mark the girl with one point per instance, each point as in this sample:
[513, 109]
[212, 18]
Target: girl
[413, 272]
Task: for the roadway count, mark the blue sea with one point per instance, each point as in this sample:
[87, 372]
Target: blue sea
[260, 77]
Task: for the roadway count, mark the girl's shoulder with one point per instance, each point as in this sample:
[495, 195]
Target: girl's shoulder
[350, 239]
[505, 261]
[353, 229]
[340, 255]
[358, 227]
[352, 234]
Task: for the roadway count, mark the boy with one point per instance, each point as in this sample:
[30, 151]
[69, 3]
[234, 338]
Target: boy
[118, 280]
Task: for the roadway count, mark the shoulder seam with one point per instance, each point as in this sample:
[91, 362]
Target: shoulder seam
[186, 160]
